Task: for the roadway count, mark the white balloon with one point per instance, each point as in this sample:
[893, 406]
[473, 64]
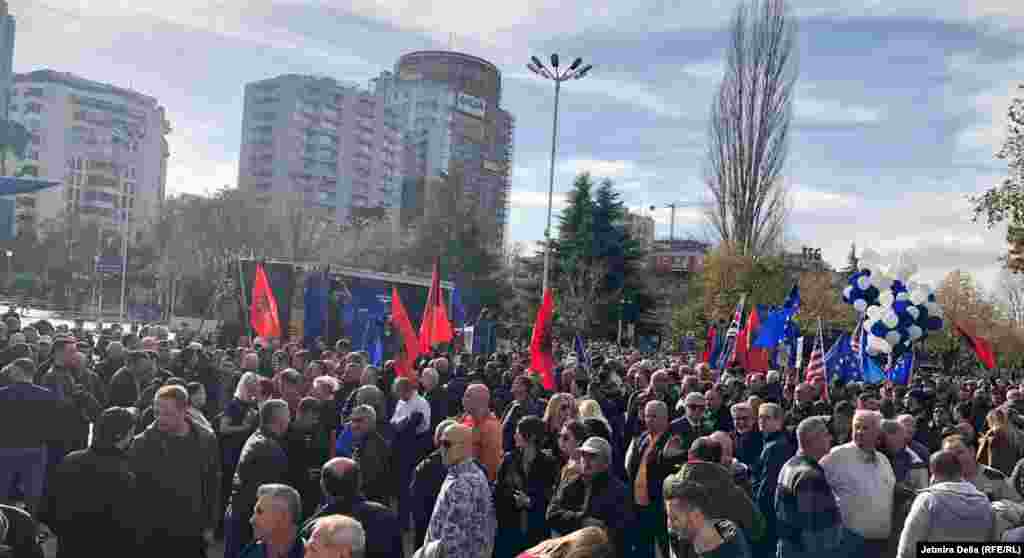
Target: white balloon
[893, 338]
[878, 345]
[933, 309]
[847, 291]
[890, 319]
[883, 282]
[863, 282]
[913, 311]
[918, 296]
[860, 305]
[875, 312]
[903, 296]
[886, 299]
[914, 331]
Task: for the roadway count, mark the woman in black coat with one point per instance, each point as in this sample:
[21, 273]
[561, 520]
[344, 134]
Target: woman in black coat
[526, 478]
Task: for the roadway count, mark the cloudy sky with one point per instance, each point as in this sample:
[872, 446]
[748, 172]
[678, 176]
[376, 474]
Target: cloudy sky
[900, 107]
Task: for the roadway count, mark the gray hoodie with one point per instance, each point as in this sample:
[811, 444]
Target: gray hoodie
[947, 511]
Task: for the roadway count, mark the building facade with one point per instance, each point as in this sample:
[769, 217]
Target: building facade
[641, 228]
[332, 145]
[457, 136]
[107, 146]
[6, 54]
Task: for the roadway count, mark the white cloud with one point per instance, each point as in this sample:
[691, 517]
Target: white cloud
[598, 168]
[808, 199]
[530, 199]
[812, 110]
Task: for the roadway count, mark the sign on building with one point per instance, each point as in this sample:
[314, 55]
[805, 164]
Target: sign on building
[473, 106]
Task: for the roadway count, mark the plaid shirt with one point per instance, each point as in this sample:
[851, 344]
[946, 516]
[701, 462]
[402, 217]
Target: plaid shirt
[463, 523]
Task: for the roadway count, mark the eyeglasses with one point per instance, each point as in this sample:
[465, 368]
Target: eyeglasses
[764, 417]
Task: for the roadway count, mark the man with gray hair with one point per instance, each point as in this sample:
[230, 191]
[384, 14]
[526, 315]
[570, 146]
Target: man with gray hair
[864, 484]
[336, 536]
[371, 451]
[262, 461]
[808, 522]
[777, 450]
[275, 520]
[909, 469]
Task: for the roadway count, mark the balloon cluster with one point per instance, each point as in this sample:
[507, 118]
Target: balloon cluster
[895, 314]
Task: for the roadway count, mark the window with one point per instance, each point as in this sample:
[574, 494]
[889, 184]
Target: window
[34, 92]
[33, 108]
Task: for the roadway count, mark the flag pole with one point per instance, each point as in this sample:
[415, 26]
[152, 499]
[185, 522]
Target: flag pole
[245, 302]
[124, 263]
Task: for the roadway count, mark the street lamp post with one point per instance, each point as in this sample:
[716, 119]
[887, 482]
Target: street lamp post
[10, 254]
[573, 71]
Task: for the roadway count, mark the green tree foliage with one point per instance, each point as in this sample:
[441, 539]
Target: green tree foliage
[1004, 203]
[596, 263]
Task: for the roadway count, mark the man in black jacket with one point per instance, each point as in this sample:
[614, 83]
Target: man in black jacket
[92, 493]
[595, 498]
[127, 384]
[30, 425]
[177, 468]
[262, 461]
[340, 480]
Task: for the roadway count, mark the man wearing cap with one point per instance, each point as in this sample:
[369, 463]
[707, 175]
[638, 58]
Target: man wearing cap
[691, 425]
[594, 498]
[92, 497]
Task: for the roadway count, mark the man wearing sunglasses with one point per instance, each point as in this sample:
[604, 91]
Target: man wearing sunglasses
[464, 522]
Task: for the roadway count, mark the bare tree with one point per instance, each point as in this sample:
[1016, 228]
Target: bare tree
[749, 129]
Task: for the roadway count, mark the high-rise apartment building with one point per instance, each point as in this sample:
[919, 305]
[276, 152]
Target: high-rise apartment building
[106, 144]
[449, 106]
[332, 145]
[6, 54]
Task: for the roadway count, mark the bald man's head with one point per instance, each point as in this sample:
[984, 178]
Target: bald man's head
[725, 441]
[477, 400]
[340, 479]
[456, 444]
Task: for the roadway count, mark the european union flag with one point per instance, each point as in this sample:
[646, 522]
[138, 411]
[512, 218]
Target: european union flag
[841, 361]
[904, 369]
[871, 372]
[773, 326]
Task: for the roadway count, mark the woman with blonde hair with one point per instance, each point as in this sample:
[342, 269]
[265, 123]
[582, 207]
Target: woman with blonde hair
[589, 408]
[561, 408]
[588, 542]
[1001, 444]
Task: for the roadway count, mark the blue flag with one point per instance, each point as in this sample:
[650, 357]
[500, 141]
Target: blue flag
[315, 302]
[373, 339]
[458, 311]
[841, 362]
[773, 326]
[719, 348]
[582, 358]
[871, 372]
[903, 369]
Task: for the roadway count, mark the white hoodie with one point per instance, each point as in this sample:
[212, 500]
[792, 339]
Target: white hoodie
[947, 511]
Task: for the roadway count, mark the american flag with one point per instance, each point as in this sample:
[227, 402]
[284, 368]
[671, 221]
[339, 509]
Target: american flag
[816, 364]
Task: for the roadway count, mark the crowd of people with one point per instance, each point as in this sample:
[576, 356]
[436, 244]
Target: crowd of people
[136, 443]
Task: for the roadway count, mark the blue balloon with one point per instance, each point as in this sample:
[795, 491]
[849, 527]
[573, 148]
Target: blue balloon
[879, 329]
[871, 295]
[934, 323]
[900, 306]
[898, 287]
[931, 297]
